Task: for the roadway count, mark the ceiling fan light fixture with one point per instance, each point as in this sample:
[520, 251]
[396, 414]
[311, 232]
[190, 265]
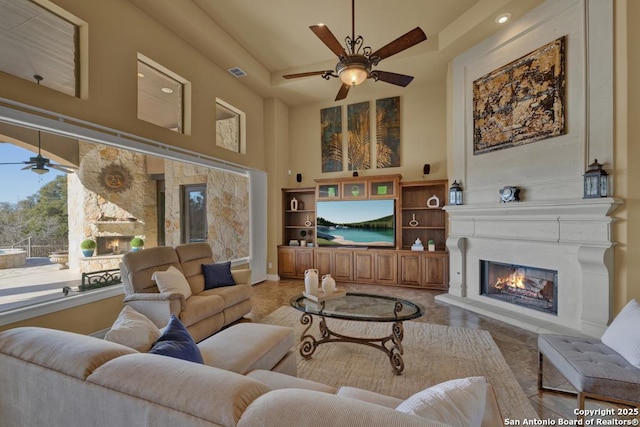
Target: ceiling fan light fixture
[353, 75]
[354, 69]
[39, 169]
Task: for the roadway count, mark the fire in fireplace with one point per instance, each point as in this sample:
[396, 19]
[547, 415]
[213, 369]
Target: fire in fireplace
[531, 287]
[112, 245]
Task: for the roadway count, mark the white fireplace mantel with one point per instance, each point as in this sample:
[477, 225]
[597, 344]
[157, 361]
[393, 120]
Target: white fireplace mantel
[572, 237]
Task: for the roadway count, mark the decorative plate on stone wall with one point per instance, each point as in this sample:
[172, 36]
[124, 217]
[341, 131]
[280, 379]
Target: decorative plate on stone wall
[115, 178]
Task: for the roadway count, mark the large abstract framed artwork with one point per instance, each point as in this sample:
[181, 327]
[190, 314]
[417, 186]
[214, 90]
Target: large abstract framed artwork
[521, 102]
[331, 138]
[359, 139]
[388, 132]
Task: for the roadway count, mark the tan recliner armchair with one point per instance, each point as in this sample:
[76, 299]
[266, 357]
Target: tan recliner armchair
[206, 311]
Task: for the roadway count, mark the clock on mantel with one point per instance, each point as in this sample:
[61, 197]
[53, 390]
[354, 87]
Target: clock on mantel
[115, 178]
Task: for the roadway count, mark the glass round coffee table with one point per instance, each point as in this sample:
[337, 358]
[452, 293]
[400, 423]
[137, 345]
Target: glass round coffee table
[360, 307]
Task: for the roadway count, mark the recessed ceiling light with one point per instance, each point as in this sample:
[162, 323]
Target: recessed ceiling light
[167, 90]
[502, 18]
[141, 75]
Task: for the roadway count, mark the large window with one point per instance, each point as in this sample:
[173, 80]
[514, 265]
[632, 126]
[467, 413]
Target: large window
[162, 96]
[194, 213]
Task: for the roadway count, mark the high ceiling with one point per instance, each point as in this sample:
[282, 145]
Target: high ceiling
[267, 39]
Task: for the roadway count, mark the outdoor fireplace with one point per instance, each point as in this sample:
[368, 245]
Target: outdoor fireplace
[112, 245]
[531, 287]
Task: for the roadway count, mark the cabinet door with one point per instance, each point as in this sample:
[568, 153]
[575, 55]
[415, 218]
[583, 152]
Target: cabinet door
[435, 271]
[364, 266]
[386, 268]
[343, 265]
[410, 268]
[304, 261]
[324, 261]
[286, 262]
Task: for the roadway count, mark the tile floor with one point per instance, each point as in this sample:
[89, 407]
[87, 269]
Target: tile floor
[518, 346]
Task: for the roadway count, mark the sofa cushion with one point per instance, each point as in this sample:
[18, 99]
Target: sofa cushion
[205, 393]
[66, 352]
[455, 402]
[245, 347]
[138, 267]
[217, 275]
[192, 256]
[231, 295]
[172, 281]
[176, 342]
[623, 334]
[134, 330]
[200, 307]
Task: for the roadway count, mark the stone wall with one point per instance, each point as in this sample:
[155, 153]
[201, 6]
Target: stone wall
[227, 208]
[98, 209]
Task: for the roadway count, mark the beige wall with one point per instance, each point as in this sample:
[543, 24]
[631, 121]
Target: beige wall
[280, 138]
[118, 31]
[627, 151]
[83, 319]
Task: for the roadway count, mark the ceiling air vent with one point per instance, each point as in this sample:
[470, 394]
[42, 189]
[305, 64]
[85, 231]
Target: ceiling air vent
[236, 71]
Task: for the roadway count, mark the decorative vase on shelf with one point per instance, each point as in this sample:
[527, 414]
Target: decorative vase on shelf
[294, 204]
[311, 281]
[328, 284]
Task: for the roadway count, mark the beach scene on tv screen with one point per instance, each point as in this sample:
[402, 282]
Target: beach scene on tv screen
[356, 223]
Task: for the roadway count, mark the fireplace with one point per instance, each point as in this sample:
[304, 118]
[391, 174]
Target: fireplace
[112, 245]
[531, 287]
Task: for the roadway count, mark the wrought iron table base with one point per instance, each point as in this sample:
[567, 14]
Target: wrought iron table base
[391, 345]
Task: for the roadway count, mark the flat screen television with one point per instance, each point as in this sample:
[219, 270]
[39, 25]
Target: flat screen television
[356, 223]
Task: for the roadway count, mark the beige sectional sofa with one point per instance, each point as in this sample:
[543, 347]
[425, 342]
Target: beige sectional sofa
[54, 378]
[206, 311]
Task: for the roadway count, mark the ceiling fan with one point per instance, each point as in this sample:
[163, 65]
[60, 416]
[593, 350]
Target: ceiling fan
[40, 164]
[355, 63]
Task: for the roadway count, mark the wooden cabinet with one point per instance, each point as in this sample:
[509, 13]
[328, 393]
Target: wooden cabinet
[324, 261]
[363, 266]
[386, 268]
[435, 271]
[410, 268]
[299, 216]
[342, 265]
[421, 214]
[423, 269]
[358, 188]
[292, 261]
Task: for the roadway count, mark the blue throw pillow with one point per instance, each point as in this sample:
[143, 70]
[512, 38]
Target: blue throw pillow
[176, 342]
[217, 275]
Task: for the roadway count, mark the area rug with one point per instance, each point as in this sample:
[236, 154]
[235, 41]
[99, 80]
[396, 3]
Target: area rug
[432, 354]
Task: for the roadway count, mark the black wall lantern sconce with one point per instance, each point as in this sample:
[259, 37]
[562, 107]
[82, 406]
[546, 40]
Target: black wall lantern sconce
[596, 181]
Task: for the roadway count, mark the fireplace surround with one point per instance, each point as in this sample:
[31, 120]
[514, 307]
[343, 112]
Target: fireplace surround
[572, 237]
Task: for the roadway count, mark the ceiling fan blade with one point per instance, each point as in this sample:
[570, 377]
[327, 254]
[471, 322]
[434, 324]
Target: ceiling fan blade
[65, 169]
[343, 92]
[308, 74]
[29, 166]
[15, 163]
[393, 78]
[412, 38]
[324, 33]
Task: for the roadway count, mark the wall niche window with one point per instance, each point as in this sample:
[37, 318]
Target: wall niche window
[230, 127]
[37, 41]
[162, 96]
